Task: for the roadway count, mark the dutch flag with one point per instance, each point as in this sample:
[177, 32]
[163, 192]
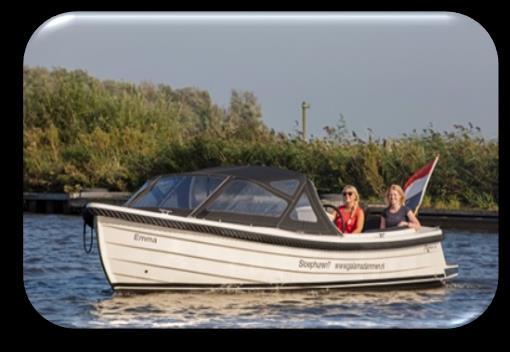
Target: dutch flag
[416, 185]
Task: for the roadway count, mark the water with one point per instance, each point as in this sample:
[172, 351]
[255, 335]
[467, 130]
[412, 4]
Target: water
[69, 288]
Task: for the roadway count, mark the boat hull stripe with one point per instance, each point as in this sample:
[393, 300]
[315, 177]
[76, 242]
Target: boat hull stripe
[183, 270]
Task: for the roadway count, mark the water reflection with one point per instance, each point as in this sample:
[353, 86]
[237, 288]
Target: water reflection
[256, 309]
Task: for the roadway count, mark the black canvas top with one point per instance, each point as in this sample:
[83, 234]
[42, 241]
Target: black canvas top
[265, 177]
[257, 173]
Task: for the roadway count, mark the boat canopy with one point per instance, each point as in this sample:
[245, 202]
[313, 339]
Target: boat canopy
[248, 195]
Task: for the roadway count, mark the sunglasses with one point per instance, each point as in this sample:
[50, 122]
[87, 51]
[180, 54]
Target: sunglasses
[347, 193]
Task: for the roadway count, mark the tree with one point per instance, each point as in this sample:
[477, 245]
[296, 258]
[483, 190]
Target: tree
[244, 116]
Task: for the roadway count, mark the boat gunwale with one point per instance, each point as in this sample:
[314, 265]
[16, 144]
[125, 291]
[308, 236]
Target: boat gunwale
[370, 241]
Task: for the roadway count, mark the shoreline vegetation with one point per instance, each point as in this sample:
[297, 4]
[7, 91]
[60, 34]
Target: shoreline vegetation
[80, 132]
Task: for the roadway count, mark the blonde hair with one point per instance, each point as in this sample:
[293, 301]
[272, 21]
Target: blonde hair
[354, 191]
[397, 189]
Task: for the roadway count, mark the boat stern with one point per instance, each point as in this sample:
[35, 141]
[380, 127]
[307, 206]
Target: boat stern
[451, 271]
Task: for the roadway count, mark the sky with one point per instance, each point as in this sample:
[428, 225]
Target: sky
[390, 72]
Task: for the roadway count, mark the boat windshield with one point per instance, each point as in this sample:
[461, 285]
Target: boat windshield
[287, 186]
[178, 192]
[244, 197]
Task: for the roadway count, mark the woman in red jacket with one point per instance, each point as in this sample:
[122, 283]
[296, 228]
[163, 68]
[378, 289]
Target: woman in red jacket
[350, 218]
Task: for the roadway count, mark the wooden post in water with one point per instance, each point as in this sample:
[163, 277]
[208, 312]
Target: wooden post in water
[32, 206]
[66, 209]
[50, 207]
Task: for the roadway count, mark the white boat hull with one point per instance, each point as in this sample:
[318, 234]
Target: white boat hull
[152, 257]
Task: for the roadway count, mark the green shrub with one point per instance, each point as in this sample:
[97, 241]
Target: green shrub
[82, 132]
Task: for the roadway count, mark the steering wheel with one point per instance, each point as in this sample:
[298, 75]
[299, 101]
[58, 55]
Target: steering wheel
[329, 206]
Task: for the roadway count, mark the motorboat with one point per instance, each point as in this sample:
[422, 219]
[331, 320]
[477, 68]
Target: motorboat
[251, 227]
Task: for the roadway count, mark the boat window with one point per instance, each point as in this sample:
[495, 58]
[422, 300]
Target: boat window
[134, 195]
[303, 210]
[179, 192]
[158, 192]
[201, 187]
[244, 197]
[287, 186]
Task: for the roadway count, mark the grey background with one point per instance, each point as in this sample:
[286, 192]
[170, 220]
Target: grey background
[390, 72]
